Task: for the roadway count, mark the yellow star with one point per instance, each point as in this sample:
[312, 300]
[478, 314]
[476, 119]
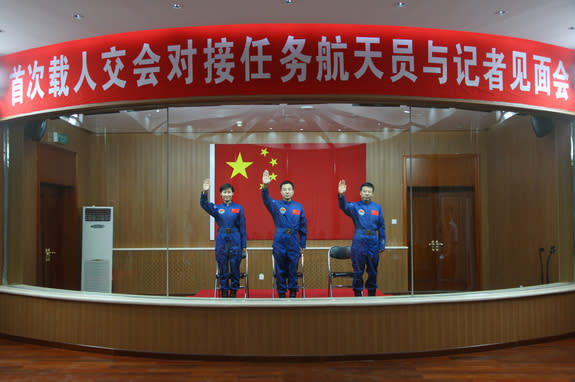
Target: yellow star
[274, 162]
[239, 166]
[273, 176]
[264, 152]
[261, 186]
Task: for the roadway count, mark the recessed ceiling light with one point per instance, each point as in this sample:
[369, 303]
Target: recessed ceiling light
[177, 6]
[500, 12]
[78, 16]
[400, 4]
[288, 1]
[239, 123]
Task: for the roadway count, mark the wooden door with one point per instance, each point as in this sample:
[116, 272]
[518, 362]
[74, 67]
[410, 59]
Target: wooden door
[441, 207]
[443, 239]
[58, 254]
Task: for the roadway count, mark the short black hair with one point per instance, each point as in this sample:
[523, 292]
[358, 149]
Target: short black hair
[226, 186]
[367, 184]
[287, 182]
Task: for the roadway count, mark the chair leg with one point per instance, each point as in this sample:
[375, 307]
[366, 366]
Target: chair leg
[216, 282]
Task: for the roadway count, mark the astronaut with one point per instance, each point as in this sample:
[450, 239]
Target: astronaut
[231, 237]
[368, 239]
[290, 235]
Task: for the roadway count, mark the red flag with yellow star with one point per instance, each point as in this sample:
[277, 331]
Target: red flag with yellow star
[315, 170]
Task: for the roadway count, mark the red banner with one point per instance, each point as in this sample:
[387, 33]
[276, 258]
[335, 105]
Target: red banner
[315, 170]
[286, 60]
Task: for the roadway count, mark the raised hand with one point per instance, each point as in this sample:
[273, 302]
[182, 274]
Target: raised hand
[206, 185]
[341, 187]
[266, 178]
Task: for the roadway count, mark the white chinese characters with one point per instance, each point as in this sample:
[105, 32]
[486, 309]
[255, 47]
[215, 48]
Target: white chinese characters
[374, 62]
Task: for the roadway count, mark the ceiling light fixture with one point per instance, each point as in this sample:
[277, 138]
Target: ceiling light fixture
[500, 12]
[508, 114]
[177, 6]
[400, 4]
[288, 1]
[74, 119]
[78, 16]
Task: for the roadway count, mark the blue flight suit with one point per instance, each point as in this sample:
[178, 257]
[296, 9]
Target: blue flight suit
[368, 240]
[230, 241]
[289, 238]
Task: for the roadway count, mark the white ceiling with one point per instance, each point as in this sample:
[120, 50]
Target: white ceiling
[26, 24]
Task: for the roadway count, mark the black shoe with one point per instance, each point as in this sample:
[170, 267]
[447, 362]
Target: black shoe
[357, 293]
[233, 293]
[224, 293]
[282, 295]
[371, 292]
[292, 293]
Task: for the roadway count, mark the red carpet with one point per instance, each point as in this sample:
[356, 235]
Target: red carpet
[309, 293]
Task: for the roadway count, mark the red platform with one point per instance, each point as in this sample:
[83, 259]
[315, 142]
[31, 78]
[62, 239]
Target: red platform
[309, 293]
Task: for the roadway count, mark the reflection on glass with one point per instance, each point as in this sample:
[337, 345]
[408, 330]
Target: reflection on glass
[468, 197]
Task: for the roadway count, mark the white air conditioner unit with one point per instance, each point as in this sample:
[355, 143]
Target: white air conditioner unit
[97, 244]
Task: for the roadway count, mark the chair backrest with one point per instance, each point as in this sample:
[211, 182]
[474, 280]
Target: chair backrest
[340, 252]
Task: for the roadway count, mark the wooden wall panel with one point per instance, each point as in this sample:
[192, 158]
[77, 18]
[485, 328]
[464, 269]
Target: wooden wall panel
[3, 130]
[22, 211]
[565, 205]
[522, 204]
[144, 272]
[284, 330]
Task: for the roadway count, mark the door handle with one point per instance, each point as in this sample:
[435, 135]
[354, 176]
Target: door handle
[435, 245]
[48, 254]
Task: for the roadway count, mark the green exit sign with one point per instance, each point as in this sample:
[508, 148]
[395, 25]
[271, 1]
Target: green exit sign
[60, 138]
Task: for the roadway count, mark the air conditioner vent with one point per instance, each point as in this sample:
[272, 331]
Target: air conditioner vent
[98, 214]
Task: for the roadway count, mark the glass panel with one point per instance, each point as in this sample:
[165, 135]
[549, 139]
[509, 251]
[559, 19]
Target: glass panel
[91, 192]
[472, 200]
[314, 146]
[491, 198]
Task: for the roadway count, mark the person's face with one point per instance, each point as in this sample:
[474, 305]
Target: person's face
[366, 193]
[227, 195]
[287, 192]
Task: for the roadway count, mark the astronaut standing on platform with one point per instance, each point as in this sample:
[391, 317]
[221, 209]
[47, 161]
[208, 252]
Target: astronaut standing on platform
[368, 239]
[290, 235]
[231, 239]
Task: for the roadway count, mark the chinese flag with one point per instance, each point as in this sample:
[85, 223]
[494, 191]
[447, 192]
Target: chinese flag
[315, 170]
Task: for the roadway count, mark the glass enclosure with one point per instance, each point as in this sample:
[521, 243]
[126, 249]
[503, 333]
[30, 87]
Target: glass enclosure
[472, 200]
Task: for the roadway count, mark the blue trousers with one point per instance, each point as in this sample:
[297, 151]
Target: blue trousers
[286, 256]
[228, 257]
[364, 258]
